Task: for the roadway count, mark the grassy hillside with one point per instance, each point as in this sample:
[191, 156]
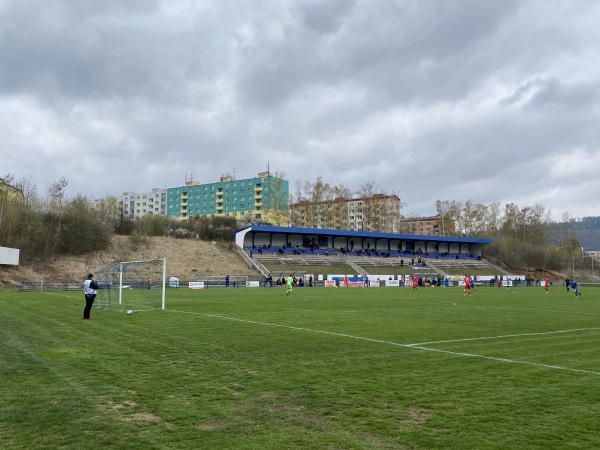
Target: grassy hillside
[186, 259]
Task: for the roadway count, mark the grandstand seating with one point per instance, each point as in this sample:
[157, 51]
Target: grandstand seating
[407, 255]
[302, 259]
[363, 259]
[467, 263]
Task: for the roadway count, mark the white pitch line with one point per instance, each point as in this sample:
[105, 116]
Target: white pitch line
[76, 296]
[379, 341]
[510, 361]
[483, 338]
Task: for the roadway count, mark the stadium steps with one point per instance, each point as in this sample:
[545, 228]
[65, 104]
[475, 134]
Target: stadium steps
[437, 269]
[358, 269]
[255, 264]
[299, 260]
[498, 268]
[378, 261]
[441, 264]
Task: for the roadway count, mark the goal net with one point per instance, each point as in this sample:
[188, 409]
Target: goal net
[132, 285]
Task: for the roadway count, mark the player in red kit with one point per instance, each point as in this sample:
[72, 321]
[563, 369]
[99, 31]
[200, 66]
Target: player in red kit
[467, 285]
[547, 285]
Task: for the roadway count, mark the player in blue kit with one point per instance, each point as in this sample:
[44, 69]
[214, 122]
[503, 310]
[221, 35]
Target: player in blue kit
[575, 287]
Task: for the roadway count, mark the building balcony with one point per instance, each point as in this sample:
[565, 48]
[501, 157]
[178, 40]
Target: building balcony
[220, 208]
[184, 197]
[258, 189]
[183, 204]
[257, 203]
[257, 196]
[183, 211]
[219, 200]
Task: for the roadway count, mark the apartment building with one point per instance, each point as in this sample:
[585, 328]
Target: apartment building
[380, 213]
[264, 197]
[136, 205]
[427, 226]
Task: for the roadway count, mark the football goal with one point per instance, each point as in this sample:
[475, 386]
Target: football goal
[132, 285]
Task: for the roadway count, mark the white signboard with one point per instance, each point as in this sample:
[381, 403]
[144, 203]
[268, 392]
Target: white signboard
[9, 256]
[196, 284]
[395, 283]
[252, 283]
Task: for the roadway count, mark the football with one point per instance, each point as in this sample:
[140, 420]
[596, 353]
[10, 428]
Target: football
[129, 311]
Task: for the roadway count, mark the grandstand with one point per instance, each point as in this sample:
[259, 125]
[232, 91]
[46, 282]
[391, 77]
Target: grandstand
[275, 250]
[369, 262]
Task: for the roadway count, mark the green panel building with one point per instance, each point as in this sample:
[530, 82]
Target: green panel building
[265, 197]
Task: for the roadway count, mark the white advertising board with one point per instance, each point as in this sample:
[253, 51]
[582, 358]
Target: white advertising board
[9, 256]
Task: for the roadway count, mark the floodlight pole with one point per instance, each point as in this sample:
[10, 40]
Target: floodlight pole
[164, 281]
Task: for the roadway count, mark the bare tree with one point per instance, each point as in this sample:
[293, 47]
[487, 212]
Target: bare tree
[298, 201]
[339, 213]
[57, 199]
[11, 211]
[317, 194]
[277, 205]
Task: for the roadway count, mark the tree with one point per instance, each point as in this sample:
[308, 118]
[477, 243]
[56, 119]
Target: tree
[277, 204]
[371, 206]
[317, 194]
[297, 199]
[339, 211]
[83, 230]
[109, 210]
[57, 198]
[11, 212]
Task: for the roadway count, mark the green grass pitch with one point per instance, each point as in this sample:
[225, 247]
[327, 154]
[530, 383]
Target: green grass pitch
[252, 368]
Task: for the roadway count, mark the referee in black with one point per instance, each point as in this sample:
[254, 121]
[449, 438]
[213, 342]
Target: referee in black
[89, 289]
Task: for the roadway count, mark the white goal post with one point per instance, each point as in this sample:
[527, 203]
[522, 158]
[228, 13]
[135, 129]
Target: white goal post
[132, 285]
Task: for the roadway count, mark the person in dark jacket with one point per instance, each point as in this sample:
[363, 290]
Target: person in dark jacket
[89, 289]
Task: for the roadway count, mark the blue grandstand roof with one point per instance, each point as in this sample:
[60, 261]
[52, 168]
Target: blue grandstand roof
[363, 234]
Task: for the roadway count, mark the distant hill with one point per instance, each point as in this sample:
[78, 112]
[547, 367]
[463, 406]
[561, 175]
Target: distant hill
[586, 230]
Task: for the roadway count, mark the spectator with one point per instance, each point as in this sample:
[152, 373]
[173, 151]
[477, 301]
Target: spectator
[89, 289]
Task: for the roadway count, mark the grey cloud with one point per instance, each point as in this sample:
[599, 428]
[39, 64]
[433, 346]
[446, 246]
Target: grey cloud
[324, 17]
[452, 100]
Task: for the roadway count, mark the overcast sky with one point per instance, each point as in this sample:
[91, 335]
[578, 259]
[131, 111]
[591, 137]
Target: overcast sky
[449, 99]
